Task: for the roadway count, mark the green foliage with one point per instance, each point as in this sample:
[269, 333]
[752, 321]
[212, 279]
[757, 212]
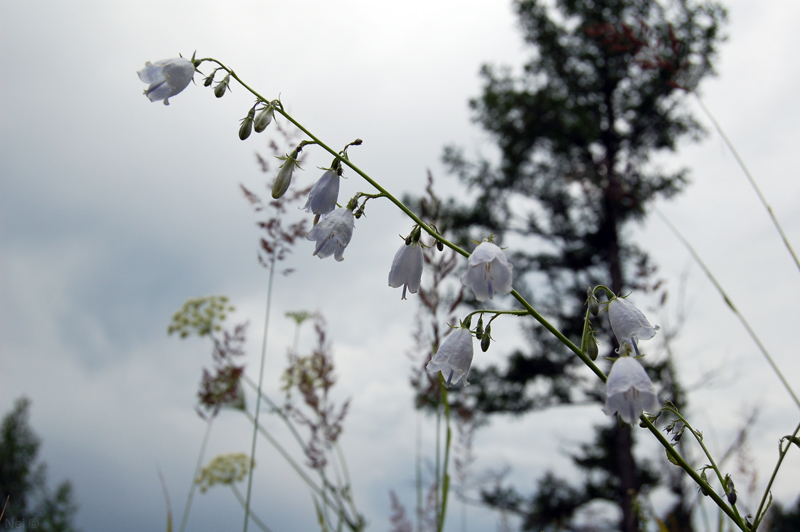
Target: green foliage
[23, 480]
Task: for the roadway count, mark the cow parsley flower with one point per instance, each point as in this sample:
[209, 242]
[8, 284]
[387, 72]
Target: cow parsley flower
[332, 233]
[407, 268]
[629, 324]
[629, 391]
[324, 193]
[488, 273]
[167, 78]
[454, 357]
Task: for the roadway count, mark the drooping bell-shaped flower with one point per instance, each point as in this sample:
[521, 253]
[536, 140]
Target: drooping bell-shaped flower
[167, 78]
[407, 268]
[629, 391]
[488, 273]
[324, 193]
[332, 233]
[629, 324]
[454, 357]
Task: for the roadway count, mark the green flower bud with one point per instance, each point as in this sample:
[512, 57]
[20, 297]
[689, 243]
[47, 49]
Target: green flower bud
[479, 329]
[594, 304]
[284, 177]
[486, 338]
[247, 125]
[222, 86]
[705, 479]
[209, 80]
[591, 348]
[439, 245]
[264, 118]
[730, 491]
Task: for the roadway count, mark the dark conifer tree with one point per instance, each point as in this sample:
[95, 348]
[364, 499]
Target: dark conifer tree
[23, 489]
[576, 130]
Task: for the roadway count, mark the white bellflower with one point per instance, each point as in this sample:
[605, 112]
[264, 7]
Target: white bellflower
[324, 193]
[167, 78]
[489, 272]
[629, 324]
[454, 357]
[332, 233]
[407, 268]
[629, 391]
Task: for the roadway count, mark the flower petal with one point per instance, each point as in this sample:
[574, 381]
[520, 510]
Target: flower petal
[628, 322]
[488, 273]
[454, 357]
[629, 391]
[332, 234]
[324, 193]
[407, 268]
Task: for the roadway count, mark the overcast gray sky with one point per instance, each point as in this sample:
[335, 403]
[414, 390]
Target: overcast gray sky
[114, 211]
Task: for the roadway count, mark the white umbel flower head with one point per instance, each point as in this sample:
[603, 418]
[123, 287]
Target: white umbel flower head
[629, 324]
[629, 391]
[454, 357]
[407, 268]
[332, 233]
[488, 273]
[324, 193]
[167, 78]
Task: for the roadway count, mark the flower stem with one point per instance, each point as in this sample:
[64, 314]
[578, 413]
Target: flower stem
[692, 473]
[699, 439]
[258, 403]
[782, 454]
[185, 518]
[445, 476]
[749, 178]
[730, 304]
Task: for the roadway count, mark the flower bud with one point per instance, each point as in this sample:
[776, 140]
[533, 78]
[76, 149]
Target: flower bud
[705, 479]
[209, 80]
[439, 245]
[730, 492]
[219, 90]
[591, 348]
[594, 304]
[479, 329]
[264, 118]
[284, 177]
[247, 125]
[486, 338]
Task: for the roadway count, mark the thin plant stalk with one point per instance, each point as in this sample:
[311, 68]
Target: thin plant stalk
[253, 516]
[750, 179]
[197, 469]
[258, 403]
[448, 438]
[733, 308]
[782, 454]
[419, 471]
